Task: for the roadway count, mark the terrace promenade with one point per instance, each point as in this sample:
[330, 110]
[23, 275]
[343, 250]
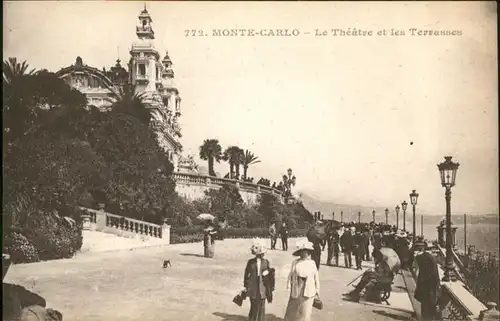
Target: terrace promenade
[132, 285]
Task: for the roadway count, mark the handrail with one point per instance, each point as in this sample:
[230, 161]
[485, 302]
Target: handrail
[132, 220]
[458, 270]
[203, 179]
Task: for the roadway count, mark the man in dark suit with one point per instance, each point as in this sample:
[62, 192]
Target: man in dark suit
[358, 248]
[427, 284]
[366, 237]
[284, 236]
[256, 276]
[346, 244]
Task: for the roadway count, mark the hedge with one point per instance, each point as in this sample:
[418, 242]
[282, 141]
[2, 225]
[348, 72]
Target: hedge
[43, 237]
[195, 234]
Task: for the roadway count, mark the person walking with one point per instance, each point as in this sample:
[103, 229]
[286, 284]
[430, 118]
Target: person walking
[346, 244]
[377, 239]
[333, 247]
[274, 235]
[358, 241]
[303, 283]
[209, 235]
[284, 236]
[366, 239]
[256, 270]
[427, 289]
[316, 254]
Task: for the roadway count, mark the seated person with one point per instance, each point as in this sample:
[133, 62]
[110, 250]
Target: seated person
[381, 275]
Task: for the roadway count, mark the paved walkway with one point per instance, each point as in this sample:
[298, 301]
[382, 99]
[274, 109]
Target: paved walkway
[132, 285]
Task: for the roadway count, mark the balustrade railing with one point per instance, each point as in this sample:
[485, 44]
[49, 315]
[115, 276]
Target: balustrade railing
[116, 224]
[210, 180]
[134, 226]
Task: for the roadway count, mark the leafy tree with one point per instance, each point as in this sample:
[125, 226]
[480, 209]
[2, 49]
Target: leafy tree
[268, 206]
[222, 201]
[211, 150]
[248, 159]
[141, 171]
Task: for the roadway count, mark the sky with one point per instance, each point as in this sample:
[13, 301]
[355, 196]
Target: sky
[340, 111]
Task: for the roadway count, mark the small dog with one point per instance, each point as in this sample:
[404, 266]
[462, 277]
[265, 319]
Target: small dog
[166, 263]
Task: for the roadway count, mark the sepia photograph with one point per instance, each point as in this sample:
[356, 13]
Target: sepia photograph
[250, 161]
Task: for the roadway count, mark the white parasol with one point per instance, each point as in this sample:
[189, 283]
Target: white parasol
[391, 258]
[205, 217]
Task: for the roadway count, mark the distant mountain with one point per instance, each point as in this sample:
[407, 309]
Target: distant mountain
[351, 213]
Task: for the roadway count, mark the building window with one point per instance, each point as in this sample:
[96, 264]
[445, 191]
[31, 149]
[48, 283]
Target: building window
[142, 69]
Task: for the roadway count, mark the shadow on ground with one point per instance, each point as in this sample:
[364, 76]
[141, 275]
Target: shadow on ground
[235, 317]
[192, 254]
[390, 315]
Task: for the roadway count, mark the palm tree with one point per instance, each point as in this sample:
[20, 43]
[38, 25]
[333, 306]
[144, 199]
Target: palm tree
[248, 159]
[127, 101]
[18, 111]
[234, 156]
[12, 70]
[211, 150]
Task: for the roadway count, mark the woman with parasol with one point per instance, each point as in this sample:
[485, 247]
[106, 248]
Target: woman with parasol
[209, 234]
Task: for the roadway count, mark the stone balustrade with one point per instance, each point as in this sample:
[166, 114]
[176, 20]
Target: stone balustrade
[127, 227]
[456, 301]
[208, 182]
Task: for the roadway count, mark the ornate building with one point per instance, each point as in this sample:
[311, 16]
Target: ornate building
[149, 75]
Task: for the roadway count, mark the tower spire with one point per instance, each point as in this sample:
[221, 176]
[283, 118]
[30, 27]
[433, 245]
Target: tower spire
[145, 30]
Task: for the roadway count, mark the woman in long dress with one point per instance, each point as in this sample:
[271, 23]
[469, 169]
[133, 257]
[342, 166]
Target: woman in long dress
[209, 241]
[303, 283]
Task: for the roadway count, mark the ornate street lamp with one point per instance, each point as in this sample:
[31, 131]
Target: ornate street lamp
[386, 216]
[448, 170]
[341, 216]
[359, 217]
[397, 217]
[404, 206]
[288, 182]
[413, 200]
[373, 215]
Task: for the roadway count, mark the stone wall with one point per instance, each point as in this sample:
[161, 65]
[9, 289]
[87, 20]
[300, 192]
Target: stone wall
[193, 186]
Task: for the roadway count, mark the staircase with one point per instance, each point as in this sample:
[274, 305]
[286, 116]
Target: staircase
[104, 231]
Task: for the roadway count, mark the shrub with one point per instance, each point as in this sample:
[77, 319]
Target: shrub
[195, 234]
[45, 236]
[20, 249]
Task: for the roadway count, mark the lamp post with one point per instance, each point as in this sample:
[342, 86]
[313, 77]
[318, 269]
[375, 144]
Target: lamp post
[404, 206]
[386, 216]
[397, 217]
[359, 217]
[413, 200]
[288, 182]
[341, 216]
[373, 215]
[448, 170]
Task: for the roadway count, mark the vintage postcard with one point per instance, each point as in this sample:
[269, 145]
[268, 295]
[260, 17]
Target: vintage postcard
[231, 161]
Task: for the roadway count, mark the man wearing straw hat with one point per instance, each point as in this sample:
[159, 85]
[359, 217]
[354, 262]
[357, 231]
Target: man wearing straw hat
[256, 271]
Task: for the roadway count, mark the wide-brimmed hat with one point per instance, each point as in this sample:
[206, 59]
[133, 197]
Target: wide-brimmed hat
[303, 246]
[258, 247]
[401, 234]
